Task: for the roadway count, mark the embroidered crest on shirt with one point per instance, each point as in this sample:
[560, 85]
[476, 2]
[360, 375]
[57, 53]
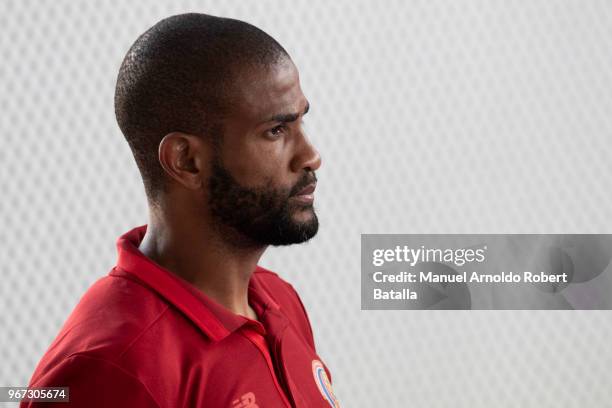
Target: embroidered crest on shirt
[320, 378]
[246, 401]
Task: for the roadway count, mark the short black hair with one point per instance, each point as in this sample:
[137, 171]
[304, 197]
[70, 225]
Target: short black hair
[174, 78]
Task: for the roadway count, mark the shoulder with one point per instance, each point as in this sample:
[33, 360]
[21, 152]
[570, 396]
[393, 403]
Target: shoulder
[95, 382]
[287, 297]
[114, 308]
[278, 288]
[103, 326]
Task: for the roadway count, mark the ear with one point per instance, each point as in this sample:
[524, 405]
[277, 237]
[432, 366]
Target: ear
[184, 158]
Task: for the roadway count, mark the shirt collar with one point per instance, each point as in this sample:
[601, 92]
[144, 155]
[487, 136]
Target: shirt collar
[216, 321]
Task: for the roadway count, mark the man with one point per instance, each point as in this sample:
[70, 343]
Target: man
[212, 109]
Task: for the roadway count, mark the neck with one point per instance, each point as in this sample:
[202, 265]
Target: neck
[200, 253]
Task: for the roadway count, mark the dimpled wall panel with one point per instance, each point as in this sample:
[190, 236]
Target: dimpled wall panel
[431, 117]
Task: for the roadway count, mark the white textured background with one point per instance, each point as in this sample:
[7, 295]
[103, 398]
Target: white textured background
[431, 116]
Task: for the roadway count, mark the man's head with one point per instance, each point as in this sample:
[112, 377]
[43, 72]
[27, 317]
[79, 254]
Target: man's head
[212, 108]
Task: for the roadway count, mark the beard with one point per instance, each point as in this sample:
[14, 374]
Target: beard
[263, 215]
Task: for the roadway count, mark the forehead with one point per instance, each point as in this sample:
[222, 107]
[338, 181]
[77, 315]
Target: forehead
[262, 91]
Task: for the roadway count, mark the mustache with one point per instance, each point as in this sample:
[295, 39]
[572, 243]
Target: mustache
[308, 178]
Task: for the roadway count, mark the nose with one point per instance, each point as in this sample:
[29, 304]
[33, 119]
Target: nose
[307, 157]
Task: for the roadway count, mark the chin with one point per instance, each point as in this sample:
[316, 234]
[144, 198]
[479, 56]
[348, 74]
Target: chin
[303, 214]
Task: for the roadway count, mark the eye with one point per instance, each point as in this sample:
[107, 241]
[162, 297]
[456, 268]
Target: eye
[276, 131]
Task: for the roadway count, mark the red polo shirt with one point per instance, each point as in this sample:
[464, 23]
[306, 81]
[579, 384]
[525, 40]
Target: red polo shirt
[144, 337]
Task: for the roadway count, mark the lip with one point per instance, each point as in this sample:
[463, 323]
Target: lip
[306, 195]
[308, 190]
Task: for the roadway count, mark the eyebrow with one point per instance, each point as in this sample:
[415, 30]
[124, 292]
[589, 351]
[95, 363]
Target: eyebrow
[288, 117]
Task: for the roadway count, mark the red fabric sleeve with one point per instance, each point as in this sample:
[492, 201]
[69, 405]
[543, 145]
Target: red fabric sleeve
[93, 383]
[309, 327]
[311, 335]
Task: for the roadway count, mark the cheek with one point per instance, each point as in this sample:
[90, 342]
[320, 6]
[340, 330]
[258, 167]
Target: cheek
[258, 164]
